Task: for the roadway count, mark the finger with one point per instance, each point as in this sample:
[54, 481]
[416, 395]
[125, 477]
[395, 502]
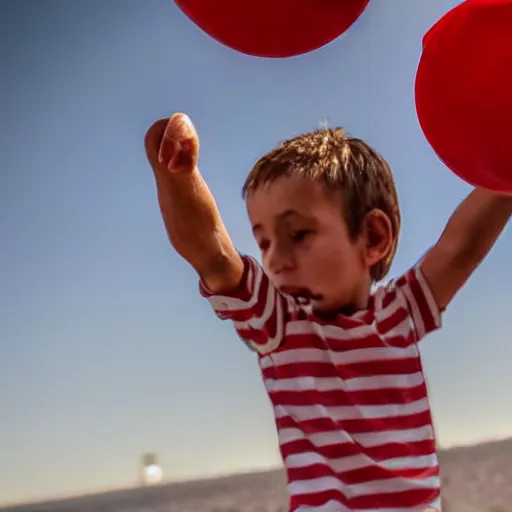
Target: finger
[169, 146]
[153, 140]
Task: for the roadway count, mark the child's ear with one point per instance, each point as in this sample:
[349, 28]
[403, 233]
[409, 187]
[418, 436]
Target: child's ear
[378, 232]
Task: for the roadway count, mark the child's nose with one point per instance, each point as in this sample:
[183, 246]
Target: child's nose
[280, 260]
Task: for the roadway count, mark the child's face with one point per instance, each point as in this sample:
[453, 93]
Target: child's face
[305, 245]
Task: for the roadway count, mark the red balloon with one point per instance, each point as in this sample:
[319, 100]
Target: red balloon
[463, 92]
[273, 28]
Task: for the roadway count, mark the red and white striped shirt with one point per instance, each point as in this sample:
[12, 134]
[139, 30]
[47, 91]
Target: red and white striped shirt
[349, 395]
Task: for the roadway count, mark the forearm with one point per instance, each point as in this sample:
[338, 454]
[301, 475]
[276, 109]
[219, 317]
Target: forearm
[195, 228]
[469, 235]
[475, 226]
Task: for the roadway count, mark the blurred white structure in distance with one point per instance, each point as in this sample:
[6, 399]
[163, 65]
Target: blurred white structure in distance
[151, 472]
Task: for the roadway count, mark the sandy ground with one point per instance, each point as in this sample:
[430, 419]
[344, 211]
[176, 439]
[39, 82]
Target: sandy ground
[476, 479]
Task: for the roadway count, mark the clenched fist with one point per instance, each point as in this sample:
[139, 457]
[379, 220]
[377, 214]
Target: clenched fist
[172, 145]
[189, 212]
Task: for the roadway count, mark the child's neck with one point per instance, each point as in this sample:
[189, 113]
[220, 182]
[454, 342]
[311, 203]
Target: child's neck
[361, 300]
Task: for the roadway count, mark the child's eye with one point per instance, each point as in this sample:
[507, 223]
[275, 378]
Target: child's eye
[300, 235]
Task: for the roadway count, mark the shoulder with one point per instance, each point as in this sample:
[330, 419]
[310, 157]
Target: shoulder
[407, 300]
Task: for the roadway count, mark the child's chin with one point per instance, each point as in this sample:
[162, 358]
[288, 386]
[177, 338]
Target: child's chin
[325, 307]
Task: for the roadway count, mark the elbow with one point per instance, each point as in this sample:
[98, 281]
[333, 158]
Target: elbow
[222, 272]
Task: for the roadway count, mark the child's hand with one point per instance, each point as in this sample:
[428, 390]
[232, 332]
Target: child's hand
[173, 145]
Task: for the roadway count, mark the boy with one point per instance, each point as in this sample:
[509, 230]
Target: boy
[340, 364]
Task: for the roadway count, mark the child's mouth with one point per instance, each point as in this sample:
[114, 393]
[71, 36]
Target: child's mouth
[300, 293]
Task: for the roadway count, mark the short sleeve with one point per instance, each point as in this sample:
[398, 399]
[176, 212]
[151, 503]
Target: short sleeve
[406, 308]
[424, 311]
[256, 308]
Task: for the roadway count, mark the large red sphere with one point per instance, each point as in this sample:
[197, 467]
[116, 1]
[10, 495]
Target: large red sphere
[464, 92]
[273, 28]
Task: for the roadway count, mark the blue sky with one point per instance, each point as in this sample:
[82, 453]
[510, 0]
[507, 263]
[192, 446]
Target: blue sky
[107, 350]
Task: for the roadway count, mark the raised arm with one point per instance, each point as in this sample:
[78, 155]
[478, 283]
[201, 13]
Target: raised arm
[235, 285]
[189, 211]
[469, 235]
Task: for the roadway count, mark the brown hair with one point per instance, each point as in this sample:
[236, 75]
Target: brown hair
[343, 164]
